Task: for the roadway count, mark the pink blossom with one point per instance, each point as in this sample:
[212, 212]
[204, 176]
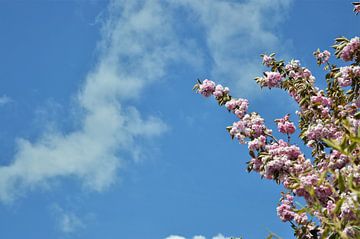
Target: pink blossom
[348, 73]
[330, 206]
[268, 60]
[273, 79]
[207, 88]
[250, 125]
[301, 218]
[357, 8]
[257, 143]
[238, 106]
[321, 130]
[350, 50]
[309, 180]
[256, 164]
[285, 126]
[220, 91]
[285, 210]
[337, 160]
[320, 99]
[348, 207]
[322, 57]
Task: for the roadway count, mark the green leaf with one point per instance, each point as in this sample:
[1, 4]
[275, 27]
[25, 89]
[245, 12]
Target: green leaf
[334, 235]
[270, 237]
[332, 144]
[357, 115]
[338, 205]
[356, 227]
[341, 182]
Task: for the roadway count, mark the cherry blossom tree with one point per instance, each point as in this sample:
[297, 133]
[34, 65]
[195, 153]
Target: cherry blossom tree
[329, 124]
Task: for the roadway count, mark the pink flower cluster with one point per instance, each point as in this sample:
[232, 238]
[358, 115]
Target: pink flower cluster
[322, 57]
[220, 91]
[251, 125]
[207, 88]
[328, 124]
[320, 99]
[351, 49]
[268, 60]
[320, 103]
[286, 211]
[347, 74]
[310, 182]
[283, 160]
[295, 71]
[320, 130]
[357, 8]
[348, 207]
[257, 144]
[285, 126]
[335, 160]
[237, 106]
[271, 79]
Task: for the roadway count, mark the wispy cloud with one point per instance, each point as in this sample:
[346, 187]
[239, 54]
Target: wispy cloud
[139, 41]
[68, 222]
[137, 44]
[219, 236]
[5, 100]
[236, 33]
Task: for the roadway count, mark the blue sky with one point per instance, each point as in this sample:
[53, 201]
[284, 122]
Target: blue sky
[101, 135]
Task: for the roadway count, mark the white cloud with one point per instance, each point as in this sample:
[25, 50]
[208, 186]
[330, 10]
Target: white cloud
[5, 100]
[219, 236]
[175, 237]
[67, 221]
[137, 44]
[237, 32]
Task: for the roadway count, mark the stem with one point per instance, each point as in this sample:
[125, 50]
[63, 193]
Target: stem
[271, 136]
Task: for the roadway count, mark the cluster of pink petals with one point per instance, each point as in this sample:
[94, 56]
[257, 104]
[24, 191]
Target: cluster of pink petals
[285, 163]
[350, 231]
[348, 73]
[286, 211]
[337, 160]
[271, 79]
[330, 207]
[295, 71]
[319, 98]
[320, 130]
[220, 91]
[295, 96]
[322, 192]
[283, 159]
[357, 8]
[352, 170]
[238, 106]
[348, 208]
[293, 65]
[283, 150]
[351, 49]
[207, 88]
[251, 125]
[285, 126]
[257, 143]
[322, 57]
[268, 60]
